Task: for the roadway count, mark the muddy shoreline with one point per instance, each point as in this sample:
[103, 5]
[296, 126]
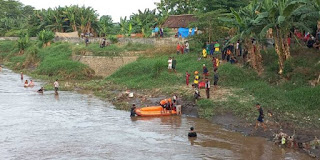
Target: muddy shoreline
[231, 122]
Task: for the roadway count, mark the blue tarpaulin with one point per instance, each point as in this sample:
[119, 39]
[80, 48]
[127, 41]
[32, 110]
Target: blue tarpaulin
[184, 32]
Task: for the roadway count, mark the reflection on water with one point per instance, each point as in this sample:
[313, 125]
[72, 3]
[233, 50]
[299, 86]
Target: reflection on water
[76, 126]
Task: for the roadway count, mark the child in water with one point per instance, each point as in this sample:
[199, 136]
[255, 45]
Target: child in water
[31, 84]
[26, 84]
[40, 90]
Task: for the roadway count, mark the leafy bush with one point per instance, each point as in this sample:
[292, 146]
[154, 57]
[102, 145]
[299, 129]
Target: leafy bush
[15, 32]
[113, 39]
[45, 36]
[157, 69]
[32, 55]
[23, 42]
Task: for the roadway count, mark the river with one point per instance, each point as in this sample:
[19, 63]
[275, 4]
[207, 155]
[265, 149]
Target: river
[79, 126]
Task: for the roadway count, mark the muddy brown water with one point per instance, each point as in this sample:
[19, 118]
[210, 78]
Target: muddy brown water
[78, 126]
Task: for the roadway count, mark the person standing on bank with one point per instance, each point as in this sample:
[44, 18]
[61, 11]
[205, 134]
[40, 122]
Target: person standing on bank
[169, 64]
[56, 86]
[174, 64]
[260, 117]
[187, 47]
[187, 78]
[215, 79]
[207, 87]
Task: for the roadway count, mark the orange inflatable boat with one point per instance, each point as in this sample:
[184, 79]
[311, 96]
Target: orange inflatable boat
[154, 111]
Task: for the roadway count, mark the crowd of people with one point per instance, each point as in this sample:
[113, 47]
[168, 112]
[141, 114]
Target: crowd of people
[183, 47]
[41, 90]
[311, 41]
[229, 53]
[171, 104]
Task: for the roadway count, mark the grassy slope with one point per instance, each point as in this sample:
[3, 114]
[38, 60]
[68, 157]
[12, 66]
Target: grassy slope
[54, 61]
[292, 100]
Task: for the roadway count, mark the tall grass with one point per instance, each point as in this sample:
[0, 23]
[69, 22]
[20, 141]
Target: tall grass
[56, 61]
[52, 61]
[141, 74]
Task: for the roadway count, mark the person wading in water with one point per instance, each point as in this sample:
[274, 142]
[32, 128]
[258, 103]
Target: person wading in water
[192, 133]
[56, 86]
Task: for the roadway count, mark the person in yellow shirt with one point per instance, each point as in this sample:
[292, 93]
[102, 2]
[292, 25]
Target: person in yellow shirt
[217, 62]
[204, 53]
[217, 47]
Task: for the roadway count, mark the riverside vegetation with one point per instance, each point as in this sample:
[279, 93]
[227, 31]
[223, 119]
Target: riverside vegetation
[290, 97]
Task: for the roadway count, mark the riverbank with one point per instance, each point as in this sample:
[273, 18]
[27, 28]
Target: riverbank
[291, 100]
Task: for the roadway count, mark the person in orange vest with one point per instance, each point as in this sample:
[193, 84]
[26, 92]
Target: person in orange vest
[164, 103]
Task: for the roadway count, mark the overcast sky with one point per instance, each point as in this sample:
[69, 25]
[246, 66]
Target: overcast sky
[115, 8]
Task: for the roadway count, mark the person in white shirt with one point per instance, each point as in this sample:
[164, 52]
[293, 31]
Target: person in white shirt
[187, 47]
[170, 64]
[56, 86]
[238, 48]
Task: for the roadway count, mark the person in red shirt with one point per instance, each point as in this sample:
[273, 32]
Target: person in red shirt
[178, 48]
[298, 34]
[187, 78]
[182, 49]
[289, 41]
[214, 62]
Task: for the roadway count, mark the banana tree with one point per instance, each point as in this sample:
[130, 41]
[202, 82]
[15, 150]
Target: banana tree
[247, 24]
[71, 13]
[310, 13]
[45, 36]
[105, 25]
[280, 17]
[123, 25]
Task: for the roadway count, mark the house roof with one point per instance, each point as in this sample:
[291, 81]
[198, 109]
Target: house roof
[177, 21]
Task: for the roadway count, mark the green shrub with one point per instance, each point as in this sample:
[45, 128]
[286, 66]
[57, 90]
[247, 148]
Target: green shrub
[32, 55]
[157, 69]
[45, 36]
[15, 32]
[23, 42]
[113, 39]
